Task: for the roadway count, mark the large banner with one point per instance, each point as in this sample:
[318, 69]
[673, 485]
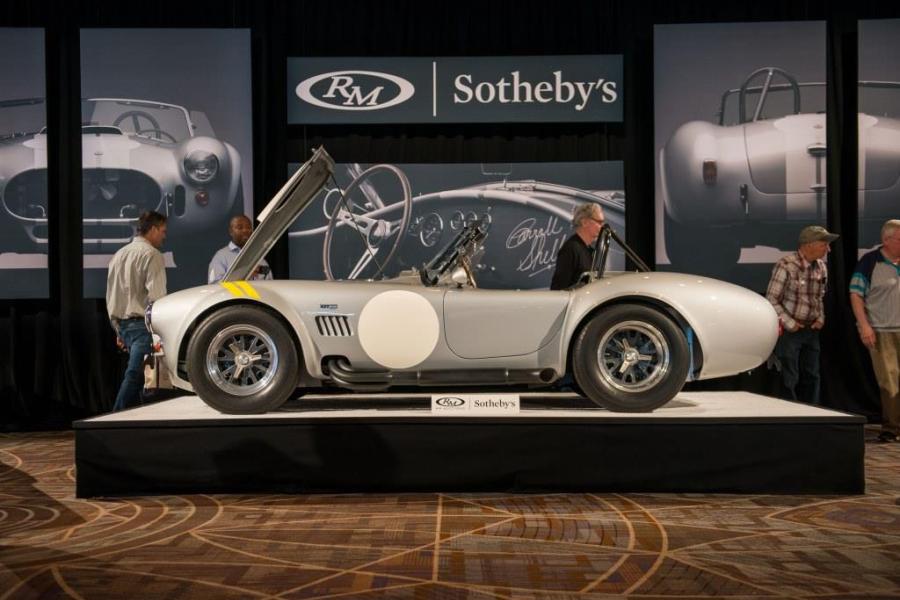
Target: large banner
[408, 212]
[24, 234]
[879, 128]
[740, 145]
[455, 90]
[166, 126]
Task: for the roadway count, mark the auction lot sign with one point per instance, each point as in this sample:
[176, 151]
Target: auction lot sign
[341, 90]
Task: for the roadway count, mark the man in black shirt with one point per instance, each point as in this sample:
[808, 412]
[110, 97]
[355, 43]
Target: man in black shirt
[576, 254]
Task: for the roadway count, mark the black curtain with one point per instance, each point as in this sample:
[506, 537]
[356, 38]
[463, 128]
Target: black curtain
[57, 356]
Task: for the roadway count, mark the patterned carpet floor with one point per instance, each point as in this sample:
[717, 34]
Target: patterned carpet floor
[440, 545]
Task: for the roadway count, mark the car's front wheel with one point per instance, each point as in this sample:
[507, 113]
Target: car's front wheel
[242, 360]
[630, 358]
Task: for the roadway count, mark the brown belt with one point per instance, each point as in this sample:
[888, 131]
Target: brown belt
[805, 324]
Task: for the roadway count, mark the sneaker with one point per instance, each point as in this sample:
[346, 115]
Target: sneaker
[887, 436]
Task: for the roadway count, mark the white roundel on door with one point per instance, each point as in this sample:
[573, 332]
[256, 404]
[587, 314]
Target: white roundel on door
[398, 329]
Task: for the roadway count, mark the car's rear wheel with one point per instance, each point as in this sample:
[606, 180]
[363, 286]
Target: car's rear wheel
[630, 358]
[242, 360]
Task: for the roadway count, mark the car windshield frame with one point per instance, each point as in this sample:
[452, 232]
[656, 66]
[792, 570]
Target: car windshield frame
[871, 84]
[759, 107]
[780, 87]
[159, 110]
[601, 252]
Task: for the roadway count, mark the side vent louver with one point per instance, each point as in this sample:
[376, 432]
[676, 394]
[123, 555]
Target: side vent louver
[333, 325]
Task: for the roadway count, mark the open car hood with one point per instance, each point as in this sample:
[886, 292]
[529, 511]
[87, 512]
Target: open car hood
[281, 211]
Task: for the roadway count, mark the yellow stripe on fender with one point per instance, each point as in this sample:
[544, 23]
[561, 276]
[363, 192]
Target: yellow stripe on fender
[235, 290]
[247, 289]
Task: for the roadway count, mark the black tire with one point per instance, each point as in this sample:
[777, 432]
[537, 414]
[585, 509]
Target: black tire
[253, 335]
[703, 250]
[647, 383]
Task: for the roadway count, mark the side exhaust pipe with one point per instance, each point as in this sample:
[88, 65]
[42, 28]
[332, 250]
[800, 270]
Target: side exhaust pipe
[342, 372]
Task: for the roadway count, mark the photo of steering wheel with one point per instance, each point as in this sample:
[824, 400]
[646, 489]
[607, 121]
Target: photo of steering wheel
[371, 229]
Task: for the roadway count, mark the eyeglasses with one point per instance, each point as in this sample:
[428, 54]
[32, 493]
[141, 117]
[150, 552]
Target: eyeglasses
[598, 221]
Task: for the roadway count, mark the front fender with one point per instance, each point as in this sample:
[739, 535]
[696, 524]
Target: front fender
[176, 316]
[222, 192]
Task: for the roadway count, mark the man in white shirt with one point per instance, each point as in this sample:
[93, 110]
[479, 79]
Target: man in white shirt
[137, 277]
[239, 229]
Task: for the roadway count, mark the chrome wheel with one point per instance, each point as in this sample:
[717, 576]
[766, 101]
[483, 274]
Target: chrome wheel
[633, 356]
[241, 360]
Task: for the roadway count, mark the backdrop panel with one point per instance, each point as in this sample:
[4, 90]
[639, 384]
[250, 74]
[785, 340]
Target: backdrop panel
[167, 126]
[24, 211]
[528, 206]
[740, 144]
[879, 128]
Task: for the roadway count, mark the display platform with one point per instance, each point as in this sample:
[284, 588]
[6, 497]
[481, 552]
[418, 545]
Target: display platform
[699, 442]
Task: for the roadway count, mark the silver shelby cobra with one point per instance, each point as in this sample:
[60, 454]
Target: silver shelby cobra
[630, 340]
[137, 155]
[757, 175]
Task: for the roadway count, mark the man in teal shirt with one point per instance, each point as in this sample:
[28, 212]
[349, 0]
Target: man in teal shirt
[875, 299]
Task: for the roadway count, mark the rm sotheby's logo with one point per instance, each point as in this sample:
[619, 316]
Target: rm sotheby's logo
[476, 404]
[355, 90]
[450, 402]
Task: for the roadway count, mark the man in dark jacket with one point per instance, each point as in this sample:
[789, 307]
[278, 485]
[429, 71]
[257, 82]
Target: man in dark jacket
[576, 254]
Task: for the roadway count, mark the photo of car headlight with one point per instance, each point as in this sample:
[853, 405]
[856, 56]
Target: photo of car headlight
[201, 166]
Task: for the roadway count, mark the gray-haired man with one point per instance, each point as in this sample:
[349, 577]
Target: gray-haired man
[875, 298]
[576, 254]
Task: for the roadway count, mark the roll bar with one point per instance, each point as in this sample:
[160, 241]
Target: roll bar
[601, 251]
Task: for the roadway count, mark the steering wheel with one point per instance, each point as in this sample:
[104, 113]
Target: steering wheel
[373, 230]
[764, 92]
[158, 134]
[136, 116]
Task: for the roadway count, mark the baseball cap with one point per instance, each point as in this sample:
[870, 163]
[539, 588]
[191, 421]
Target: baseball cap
[816, 233]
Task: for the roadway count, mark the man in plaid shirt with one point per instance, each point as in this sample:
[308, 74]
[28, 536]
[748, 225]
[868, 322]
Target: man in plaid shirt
[796, 290]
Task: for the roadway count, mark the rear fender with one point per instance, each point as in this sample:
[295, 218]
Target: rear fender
[689, 333]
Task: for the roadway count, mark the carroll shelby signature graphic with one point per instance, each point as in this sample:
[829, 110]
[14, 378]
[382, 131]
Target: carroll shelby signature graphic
[528, 219]
[542, 244]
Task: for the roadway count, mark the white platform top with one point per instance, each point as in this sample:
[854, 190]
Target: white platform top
[686, 405]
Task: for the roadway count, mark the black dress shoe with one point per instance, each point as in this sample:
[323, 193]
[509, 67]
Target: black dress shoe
[887, 436]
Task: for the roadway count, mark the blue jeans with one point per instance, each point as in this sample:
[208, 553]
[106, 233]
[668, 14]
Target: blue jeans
[137, 341]
[798, 353]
